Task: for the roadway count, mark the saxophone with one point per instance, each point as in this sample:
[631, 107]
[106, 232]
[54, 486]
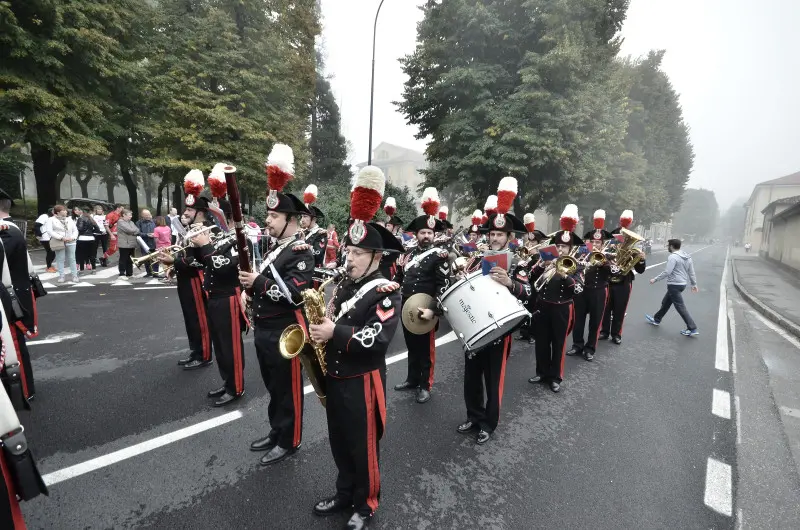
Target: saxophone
[294, 341]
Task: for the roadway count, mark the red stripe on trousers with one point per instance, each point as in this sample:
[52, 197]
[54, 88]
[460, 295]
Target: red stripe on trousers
[236, 331]
[432, 348]
[297, 389]
[605, 304]
[16, 513]
[372, 453]
[379, 395]
[566, 335]
[506, 352]
[21, 362]
[25, 330]
[622, 320]
[200, 306]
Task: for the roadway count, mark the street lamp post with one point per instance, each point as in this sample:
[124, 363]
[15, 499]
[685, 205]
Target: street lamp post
[372, 85]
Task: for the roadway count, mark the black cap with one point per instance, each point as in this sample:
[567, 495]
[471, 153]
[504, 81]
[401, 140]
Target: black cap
[504, 223]
[225, 206]
[376, 238]
[538, 235]
[4, 195]
[447, 224]
[288, 203]
[395, 220]
[316, 212]
[564, 237]
[196, 202]
[424, 222]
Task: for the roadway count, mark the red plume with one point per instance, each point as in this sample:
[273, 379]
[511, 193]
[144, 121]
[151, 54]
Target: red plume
[193, 182]
[277, 178]
[506, 192]
[430, 201]
[367, 194]
[390, 207]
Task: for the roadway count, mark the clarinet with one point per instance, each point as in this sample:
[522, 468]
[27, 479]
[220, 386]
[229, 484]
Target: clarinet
[241, 236]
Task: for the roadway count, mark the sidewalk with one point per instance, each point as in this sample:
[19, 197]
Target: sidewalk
[770, 290]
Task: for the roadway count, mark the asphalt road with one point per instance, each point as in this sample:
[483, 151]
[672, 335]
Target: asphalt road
[626, 444]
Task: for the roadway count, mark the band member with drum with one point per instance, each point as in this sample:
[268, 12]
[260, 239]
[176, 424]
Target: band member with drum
[532, 238]
[592, 301]
[315, 235]
[286, 270]
[189, 275]
[363, 319]
[226, 321]
[620, 289]
[555, 312]
[424, 269]
[489, 364]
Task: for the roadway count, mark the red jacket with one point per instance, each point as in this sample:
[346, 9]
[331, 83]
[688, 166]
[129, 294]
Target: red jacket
[333, 246]
[111, 219]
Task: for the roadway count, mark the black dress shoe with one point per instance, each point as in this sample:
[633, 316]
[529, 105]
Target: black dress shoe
[183, 362]
[555, 387]
[616, 340]
[537, 379]
[531, 341]
[467, 427]
[483, 437]
[196, 364]
[603, 336]
[217, 392]
[575, 350]
[405, 385]
[264, 444]
[227, 399]
[332, 506]
[357, 522]
[423, 396]
[588, 355]
[276, 454]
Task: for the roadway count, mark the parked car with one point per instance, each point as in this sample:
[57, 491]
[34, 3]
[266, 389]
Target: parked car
[89, 203]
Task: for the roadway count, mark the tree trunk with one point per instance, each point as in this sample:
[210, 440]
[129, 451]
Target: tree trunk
[147, 182]
[121, 157]
[177, 199]
[46, 167]
[161, 186]
[84, 182]
[110, 185]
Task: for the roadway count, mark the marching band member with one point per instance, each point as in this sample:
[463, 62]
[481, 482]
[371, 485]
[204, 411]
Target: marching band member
[555, 312]
[189, 275]
[285, 271]
[424, 269]
[315, 235]
[388, 264]
[532, 238]
[367, 311]
[489, 364]
[394, 223]
[620, 291]
[592, 301]
[226, 320]
[475, 228]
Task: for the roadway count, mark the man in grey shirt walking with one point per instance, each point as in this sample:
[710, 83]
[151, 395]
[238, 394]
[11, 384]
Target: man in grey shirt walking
[679, 272]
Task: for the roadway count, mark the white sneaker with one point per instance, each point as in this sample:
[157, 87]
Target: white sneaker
[61, 279]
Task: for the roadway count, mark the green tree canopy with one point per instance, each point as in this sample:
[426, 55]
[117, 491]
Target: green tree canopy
[698, 215]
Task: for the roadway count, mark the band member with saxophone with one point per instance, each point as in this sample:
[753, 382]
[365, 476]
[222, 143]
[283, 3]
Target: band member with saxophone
[286, 270]
[226, 320]
[364, 317]
[489, 364]
[315, 235]
[555, 312]
[424, 269]
[189, 275]
[620, 289]
[592, 301]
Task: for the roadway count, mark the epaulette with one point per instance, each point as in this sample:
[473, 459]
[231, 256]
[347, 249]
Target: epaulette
[301, 246]
[388, 287]
[522, 275]
[443, 253]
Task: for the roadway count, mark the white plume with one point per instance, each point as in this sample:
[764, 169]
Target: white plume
[371, 177]
[600, 214]
[282, 156]
[570, 212]
[528, 218]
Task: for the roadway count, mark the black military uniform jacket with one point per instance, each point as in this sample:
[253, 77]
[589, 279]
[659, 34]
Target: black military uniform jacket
[16, 252]
[597, 277]
[294, 262]
[558, 290]
[221, 265]
[362, 335]
[628, 278]
[424, 270]
[317, 239]
[388, 265]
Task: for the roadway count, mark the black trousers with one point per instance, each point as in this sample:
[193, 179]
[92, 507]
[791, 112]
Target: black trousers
[194, 306]
[614, 316]
[421, 358]
[356, 414]
[125, 264]
[24, 358]
[225, 322]
[591, 303]
[284, 381]
[101, 241]
[674, 296]
[10, 514]
[553, 324]
[486, 370]
[83, 253]
[526, 331]
[49, 254]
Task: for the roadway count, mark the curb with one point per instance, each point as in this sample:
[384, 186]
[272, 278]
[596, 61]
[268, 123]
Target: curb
[761, 307]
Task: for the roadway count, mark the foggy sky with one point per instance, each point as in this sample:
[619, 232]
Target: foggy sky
[734, 64]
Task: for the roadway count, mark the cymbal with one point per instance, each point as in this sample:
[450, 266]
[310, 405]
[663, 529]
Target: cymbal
[411, 319]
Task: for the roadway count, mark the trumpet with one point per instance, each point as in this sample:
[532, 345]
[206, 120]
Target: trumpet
[153, 256]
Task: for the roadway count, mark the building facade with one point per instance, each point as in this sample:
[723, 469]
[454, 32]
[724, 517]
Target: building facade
[763, 195]
[781, 232]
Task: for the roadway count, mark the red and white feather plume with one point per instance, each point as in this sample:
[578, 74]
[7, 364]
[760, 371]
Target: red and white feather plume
[626, 219]
[490, 207]
[477, 218]
[484, 218]
[599, 219]
[310, 194]
[280, 167]
[390, 207]
[193, 182]
[529, 221]
[365, 200]
[216, 181]
[506, 192]
[443, 211]
[430, 201]
[569, 218]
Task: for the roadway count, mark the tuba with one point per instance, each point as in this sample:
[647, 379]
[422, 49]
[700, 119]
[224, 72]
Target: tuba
[294, 341]
[627, 254]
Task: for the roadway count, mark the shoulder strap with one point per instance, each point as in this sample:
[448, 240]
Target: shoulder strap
[367, 287]
[27, 254]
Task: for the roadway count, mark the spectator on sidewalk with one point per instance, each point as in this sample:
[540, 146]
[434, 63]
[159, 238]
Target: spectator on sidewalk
[146, 227]
[679, 272]
[101, 235]
[44, 239]
[86, 230]
[163, 237]
[111, 226]
[171, 223]
[126, 241]
[63, 237]
[332, 248]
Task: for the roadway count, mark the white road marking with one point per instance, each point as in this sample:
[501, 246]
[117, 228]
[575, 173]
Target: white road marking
[663, 262]
[134, 450]
[718, 495]
[152, 288]
[47, 285]
[737, 410]
[52, 339]
[777, 329]
[83, 284]
[721, 404]
[722, 361]
[63, 292]
[795, 413]
[732, 327]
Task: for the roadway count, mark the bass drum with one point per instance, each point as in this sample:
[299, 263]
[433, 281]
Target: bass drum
[480, 310]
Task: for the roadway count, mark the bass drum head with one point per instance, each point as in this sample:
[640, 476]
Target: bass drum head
[493, 333]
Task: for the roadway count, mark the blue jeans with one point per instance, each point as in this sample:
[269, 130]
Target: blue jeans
[674, 297]
[67, 252]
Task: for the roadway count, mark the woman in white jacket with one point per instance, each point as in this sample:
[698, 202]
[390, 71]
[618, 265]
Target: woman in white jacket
[63, 237]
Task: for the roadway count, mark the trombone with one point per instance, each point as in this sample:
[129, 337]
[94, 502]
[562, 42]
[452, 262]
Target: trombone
[566, 265]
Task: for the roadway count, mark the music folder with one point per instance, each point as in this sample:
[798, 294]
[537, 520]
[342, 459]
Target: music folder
[495, 259]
